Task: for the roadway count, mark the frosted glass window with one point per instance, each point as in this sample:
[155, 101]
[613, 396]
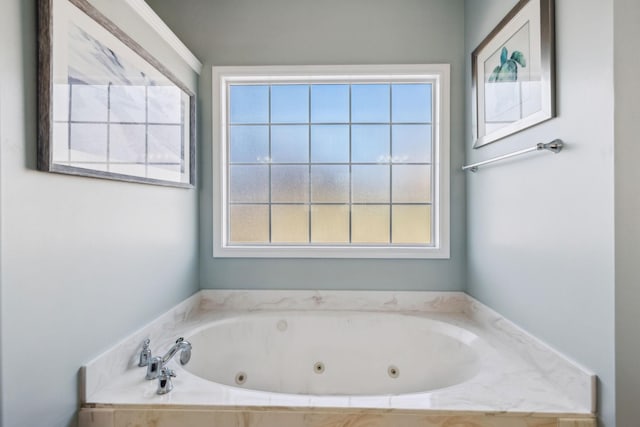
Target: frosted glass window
[411, 103]
[290, 104]
[249, 184]
[330, 184]
[249, 144]
[249, 104]
[330, 144]
[290, 223]
[330, 103]
[290, 144]
[370, 103]
[412, 143]
[249, 223]
[370, 144]
[330, 223]
[370, 183]
[411, 224]
[370, 223]
[411, 184]
[290, 184]
[329, 164]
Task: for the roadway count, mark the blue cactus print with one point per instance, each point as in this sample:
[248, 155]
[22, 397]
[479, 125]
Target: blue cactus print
[507, 71]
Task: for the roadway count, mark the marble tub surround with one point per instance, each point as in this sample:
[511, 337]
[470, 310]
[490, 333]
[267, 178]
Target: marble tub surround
[123, 357]
[409, 302]
[518, 376]
[567, 375]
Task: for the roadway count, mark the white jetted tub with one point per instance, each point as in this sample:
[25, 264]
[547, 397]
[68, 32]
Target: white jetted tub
[329, 359]
[334, 353]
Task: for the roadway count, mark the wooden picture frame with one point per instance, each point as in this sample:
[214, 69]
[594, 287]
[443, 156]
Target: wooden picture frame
[106, 107]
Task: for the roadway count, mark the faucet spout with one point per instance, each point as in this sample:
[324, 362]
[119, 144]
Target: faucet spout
[180, 345]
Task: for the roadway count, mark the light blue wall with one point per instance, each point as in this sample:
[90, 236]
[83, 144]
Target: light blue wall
[308, 32]
[541, 229]
[627, 176]
[83, 262]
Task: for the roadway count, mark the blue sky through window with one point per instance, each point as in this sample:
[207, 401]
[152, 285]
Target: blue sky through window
[389, 122]
[290, 144]
[370, 143]
[411, 103]
[249, 104]
[330, 103]
[289, 104]
[370, 103]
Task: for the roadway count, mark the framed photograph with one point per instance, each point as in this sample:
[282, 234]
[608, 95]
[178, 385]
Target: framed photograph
[106, 107]
[513, 73]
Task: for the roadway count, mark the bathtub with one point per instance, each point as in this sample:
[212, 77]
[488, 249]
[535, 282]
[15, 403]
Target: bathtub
[334, 353]
[319, 359]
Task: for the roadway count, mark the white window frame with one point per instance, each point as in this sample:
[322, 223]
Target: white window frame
[440, 75]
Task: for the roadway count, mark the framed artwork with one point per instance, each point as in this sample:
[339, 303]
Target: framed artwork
[513, 73]
[106, 107]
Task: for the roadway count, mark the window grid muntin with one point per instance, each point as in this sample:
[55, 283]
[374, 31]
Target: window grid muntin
[391, 161]
[270, 154]
[351, 167]
[310, 228]
[433, 174]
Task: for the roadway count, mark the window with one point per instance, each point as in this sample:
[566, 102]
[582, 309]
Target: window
[331, 161]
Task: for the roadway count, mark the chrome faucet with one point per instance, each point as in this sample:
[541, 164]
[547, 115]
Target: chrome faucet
[156, 364]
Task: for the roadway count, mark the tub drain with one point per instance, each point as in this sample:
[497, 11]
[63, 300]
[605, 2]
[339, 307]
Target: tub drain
[282, 325]
[393, 371]
[241, 378]
[318, 368]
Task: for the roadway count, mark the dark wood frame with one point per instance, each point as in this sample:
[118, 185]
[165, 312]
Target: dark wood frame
[45, 97]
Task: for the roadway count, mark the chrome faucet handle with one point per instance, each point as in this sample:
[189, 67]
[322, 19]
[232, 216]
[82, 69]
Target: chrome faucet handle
[165, 385]
[145, 354]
